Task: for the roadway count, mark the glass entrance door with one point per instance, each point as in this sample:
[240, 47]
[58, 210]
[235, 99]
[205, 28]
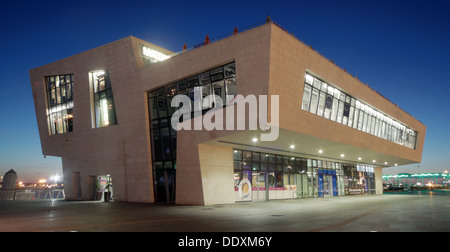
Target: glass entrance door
[327, 186]
[260, 188]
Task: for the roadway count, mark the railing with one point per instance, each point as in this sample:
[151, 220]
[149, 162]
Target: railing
[32, 194]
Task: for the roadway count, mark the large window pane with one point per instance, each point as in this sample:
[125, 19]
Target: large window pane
[105, 114]
[230, 70]
[231, 90]
[219, 90]
[306, 97]
[59, 103]
[314, 101]
[340, 112]
[207, 99]
[320, 109]
[334, 110]
[166, 143]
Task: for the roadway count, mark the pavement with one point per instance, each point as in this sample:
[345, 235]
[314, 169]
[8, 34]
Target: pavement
[426, 211]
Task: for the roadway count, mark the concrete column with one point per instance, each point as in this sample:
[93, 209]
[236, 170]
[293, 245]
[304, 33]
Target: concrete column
[216, 164]
[378, 180]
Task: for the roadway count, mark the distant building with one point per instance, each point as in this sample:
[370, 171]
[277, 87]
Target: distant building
[10, 180]
[107, 113]
[9, 185]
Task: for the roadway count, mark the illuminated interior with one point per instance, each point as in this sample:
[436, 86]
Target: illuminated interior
[104, 111]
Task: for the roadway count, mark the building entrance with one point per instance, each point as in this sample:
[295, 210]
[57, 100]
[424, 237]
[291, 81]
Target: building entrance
[165, 185]
[260, 189]
[104, 188]
[327, 184]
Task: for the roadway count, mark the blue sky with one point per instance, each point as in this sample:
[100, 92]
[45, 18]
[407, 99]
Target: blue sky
[400, 48]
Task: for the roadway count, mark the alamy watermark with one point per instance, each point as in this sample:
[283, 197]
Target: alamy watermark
[214, 118]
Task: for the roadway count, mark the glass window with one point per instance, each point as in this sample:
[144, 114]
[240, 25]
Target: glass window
[369, 123]
[166, 143]
[324, 87]
[340, 112]
[356, 118]
[237, 155]
[219, 81]
[204, 78]
[195, 97]
[317, 83]
[230, 70]
[59, 103]
[207, 99]
[231, 90]
[219, 90]
[156, 145]
[309, 79]
[264, 158]
[255, 156]
[328, 106]
[306, 97]
[346, 113]
[350, 116]
[247, 156]
[191, 82]
[104, 107]
[364, 121]
[314, 101]
[360, 119]
[182, 85]
[334, 110]
[271, 158]
[321, 106]
[217, 74]
[372, 130]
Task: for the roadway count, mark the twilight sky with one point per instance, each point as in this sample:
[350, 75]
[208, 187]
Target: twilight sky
[400, 48]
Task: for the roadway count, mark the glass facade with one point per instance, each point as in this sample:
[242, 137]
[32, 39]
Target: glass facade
[59, 103]
[104, 110]
[265, 176]
[324, 100]
[220, 81]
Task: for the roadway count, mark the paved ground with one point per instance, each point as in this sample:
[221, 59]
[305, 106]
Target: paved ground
[404, 212]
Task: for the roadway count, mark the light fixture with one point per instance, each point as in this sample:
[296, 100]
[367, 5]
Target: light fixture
[374, 161]
[255, 140]
[320, 151]
[359, 158]
[385, 162]
[342, 155]
[292, 146]
[395, 164]
[55, 178]
[99, 73]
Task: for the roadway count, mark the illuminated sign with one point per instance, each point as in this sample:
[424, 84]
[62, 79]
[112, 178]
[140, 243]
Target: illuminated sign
[154, 55]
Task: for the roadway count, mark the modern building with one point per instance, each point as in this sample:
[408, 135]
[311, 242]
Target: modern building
[108, 114]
